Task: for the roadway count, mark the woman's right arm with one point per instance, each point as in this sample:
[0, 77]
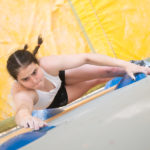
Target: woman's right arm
[24, 105]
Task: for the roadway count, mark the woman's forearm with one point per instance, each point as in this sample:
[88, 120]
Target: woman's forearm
[103, 60]
[22, 113]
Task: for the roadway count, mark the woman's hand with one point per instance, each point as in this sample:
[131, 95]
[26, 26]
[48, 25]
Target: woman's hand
[32, 122]
[131, 69]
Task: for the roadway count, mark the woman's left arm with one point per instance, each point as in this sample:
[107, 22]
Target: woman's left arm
[63, 62]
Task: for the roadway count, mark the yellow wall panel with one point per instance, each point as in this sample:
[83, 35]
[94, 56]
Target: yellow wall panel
[119, 27]
[21, 22]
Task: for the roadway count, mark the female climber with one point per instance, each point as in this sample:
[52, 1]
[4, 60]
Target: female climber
[55, 81]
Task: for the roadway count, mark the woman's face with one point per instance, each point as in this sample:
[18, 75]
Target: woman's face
[31, 76]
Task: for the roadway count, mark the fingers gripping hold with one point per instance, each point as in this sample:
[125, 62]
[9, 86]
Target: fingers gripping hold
[33, 123]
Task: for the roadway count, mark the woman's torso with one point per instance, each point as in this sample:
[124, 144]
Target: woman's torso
[41, 99]
[45, 98]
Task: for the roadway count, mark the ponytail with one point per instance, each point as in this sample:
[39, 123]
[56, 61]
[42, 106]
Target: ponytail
[25, 47]
[40, 41]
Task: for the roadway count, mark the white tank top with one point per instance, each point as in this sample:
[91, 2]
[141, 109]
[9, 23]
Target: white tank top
[46, 98]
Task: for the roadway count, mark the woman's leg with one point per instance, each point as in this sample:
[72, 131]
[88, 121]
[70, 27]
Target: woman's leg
[90, 72]
[75, 91]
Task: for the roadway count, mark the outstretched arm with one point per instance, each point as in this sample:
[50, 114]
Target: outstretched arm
[24, 106]
[63, 62]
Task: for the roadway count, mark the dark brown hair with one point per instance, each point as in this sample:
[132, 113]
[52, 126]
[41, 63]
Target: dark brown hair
[22, 58]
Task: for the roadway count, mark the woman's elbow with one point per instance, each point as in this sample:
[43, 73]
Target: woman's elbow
[86, 58]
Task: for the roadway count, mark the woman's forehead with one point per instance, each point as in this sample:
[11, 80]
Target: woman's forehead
[27, 71]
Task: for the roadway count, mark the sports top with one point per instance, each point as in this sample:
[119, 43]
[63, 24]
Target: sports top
[46, 98]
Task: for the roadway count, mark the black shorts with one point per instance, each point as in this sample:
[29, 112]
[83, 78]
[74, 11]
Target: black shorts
[61, 98]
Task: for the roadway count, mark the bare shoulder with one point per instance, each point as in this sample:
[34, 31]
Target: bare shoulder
[50, 64]
[18, 90]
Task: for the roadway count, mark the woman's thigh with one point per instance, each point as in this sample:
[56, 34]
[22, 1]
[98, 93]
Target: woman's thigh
[90, 72]
[75, 91]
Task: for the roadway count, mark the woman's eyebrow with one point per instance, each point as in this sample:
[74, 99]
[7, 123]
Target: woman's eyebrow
[34, 70]
[28, 76]
[24, 78]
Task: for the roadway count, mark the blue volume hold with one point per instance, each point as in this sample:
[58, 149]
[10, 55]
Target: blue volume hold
[126, 80]
[112, 82]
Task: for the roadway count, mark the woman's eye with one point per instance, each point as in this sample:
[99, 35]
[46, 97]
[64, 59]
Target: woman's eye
[25, 79]
[34, 72]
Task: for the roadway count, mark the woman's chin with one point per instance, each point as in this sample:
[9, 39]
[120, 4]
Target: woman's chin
[36, 87]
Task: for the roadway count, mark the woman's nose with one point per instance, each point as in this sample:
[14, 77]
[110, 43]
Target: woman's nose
[34, 80]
